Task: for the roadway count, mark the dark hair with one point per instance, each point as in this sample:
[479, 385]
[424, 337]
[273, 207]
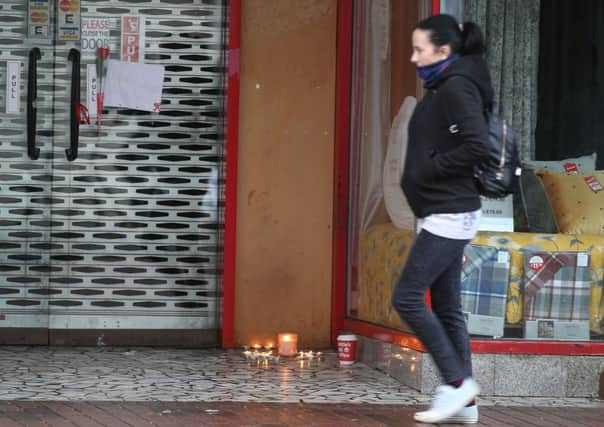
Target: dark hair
[444, 30]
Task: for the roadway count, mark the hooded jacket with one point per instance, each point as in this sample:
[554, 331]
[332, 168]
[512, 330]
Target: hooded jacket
[447, 138]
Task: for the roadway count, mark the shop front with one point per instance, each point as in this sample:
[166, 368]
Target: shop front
[532, 279]
[137, 228]
[196, 218]
[112, 214]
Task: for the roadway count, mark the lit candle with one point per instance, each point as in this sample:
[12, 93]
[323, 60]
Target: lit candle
[288, 344]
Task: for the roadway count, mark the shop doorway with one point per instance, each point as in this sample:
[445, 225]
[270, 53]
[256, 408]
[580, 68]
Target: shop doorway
[110, 234]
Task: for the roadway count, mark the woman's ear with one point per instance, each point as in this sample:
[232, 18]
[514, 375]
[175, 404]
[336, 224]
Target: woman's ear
[445, 50]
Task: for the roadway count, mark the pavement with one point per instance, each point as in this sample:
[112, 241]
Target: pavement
[48, 386]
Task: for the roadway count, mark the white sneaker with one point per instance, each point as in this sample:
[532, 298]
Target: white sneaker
[448, 401]
[466, 415]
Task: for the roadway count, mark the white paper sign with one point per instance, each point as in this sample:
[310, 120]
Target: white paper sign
[95, 34]
[136, 86]
[497, 214]
[92, 86]
[13, 87]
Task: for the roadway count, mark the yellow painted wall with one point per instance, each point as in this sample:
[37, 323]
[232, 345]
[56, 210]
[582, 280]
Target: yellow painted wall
[286, 140]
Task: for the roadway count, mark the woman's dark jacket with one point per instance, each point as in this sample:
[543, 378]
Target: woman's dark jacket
[447, 137]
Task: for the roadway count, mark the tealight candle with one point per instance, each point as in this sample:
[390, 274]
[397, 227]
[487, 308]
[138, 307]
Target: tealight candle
[288, 344]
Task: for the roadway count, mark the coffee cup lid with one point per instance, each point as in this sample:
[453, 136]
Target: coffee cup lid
[348, 337]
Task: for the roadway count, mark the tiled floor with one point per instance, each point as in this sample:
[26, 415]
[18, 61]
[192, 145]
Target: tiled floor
[117, 374]
[102, 374]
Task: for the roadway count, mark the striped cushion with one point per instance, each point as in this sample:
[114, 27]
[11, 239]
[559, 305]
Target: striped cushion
[484, 280]
[557, 285]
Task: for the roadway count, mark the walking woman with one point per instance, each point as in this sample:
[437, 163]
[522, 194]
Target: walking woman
[447, 139]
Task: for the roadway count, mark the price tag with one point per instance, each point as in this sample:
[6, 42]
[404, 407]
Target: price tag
[571, 168]
[503, 257]
[593, 183]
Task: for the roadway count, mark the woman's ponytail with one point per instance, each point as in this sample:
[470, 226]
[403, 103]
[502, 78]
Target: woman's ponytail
[443, 29]
[473, 41]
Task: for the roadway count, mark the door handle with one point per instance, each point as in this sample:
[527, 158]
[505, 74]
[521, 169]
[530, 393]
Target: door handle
[32, 95]
[74, 113]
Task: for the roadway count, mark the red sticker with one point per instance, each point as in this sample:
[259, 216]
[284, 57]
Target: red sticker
[69, 5]
[131, 39]
[593, 183]
[536, 262]
[571, 168]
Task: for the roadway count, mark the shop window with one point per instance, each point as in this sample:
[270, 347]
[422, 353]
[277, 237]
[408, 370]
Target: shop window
[543, 283]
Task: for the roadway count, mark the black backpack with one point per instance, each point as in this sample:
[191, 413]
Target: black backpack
[498, 175]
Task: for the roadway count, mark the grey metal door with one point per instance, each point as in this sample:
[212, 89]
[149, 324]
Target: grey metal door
[121, 243]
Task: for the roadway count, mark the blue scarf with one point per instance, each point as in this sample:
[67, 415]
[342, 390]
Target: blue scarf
[429, 73]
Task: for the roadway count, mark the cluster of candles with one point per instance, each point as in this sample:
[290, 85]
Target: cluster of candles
[288, 346]
[310, 355]
[257, 353]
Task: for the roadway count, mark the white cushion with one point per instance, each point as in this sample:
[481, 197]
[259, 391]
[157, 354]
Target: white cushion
[394, 198]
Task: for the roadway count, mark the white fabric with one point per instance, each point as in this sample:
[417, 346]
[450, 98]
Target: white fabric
[371, 105]
[394, 199]
[461, 226]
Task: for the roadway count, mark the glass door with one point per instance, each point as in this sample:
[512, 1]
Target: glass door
[126, 238]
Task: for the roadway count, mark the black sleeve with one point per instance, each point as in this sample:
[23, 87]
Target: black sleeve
[463, 107]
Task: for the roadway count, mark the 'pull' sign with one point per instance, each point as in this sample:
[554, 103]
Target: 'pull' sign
[13, 87]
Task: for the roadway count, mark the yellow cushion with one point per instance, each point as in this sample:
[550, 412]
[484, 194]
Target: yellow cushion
[578, 209]
[383, 252]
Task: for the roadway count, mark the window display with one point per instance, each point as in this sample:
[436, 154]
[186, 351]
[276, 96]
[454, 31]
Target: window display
[507, 293]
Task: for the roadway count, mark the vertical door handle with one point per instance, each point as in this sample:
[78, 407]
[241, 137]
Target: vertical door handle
[32, 95]
[74, 113]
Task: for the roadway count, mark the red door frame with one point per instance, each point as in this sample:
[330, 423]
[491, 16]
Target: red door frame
[341, 166]
[227, 330]
[339, 321]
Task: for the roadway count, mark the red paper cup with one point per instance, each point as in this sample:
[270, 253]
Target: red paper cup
[347, 348]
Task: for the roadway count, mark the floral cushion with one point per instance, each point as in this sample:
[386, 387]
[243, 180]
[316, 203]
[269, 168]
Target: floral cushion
[532, 209]
[384, 249]
[577, 200]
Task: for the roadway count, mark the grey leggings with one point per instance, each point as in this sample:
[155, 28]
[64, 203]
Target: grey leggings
[435, 263]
